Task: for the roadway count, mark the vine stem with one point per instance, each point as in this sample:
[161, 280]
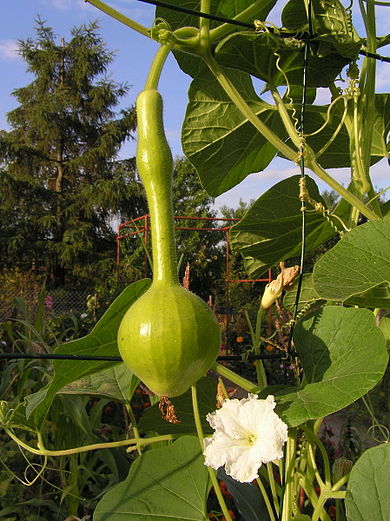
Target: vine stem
[238, 380]
[316, 441]
[285, 117]
[119, 16]
[348, 196]
[42, 451]
[245, 109]
[212, 473]
[271, 480]
[284, 149]
[312, 496]
[266, 499]
[288, 498]
[325, 494]
[134, 425]
[204, 23]
[156, 68]
[245, 15]
[260, 372]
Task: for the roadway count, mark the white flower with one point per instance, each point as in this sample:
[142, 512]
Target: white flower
[247, 433]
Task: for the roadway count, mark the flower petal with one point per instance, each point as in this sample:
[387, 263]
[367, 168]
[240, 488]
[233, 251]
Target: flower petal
[247, 433]
[245, 467]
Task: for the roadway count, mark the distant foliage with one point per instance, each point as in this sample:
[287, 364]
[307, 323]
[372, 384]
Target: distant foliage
[61, 182]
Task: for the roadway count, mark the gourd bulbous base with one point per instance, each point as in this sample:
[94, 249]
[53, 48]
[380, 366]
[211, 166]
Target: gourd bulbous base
[169, 338]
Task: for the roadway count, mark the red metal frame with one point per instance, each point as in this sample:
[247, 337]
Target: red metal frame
[145, 228]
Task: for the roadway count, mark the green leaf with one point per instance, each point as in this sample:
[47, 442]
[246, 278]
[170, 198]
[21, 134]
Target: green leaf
[270, 231]
[219, 141]
[192, 64]
[206, 390]
[356, 270]
[247, 498]
[368, 486]
[333, 34]
[282, 59]
[307, 294]
[116, 383]
[343, 356]
[102, 340]
[169, 483]
[73, 408]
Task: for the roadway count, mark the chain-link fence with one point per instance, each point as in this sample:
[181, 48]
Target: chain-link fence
[59, 302]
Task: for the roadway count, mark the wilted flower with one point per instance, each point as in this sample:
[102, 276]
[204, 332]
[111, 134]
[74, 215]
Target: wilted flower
[247, 433]
[275, 288]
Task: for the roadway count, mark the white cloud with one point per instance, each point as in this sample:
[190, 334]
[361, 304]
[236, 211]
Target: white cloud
[138, 12]
[67, 5]
[8, 49]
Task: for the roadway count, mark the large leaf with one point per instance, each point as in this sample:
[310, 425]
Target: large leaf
[357, 269]
[270, 231]
[169, 484]
[307, 296]
[102, 340]
[330, 26]
[220, 142]
[192, 64]
[368, 486]
[116, 383]
[242, 51]
[282, 59]
[206, 390]
[343, 355]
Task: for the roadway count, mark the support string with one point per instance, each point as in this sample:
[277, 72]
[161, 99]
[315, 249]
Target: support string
[302, 181]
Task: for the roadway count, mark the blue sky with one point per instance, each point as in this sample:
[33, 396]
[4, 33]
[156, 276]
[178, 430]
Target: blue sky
[134, 54]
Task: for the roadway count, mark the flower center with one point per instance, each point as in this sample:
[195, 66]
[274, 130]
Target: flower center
[252, 439]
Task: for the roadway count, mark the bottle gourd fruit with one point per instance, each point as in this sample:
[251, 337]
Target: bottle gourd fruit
[169, 337]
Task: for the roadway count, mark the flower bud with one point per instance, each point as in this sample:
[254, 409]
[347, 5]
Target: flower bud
[341, 467]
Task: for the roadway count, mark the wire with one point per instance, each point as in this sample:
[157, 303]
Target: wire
[375, 56]
[198, 13]
[247, 25]
[51, 356]
[218, 18]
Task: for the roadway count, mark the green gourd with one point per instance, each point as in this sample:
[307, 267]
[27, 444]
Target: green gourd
[169, 337]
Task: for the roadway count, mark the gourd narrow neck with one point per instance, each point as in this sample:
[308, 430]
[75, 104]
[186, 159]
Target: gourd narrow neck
[163, 234]
[155, 167]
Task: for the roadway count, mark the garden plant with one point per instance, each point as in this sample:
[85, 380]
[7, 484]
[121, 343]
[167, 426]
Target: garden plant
[252, 98]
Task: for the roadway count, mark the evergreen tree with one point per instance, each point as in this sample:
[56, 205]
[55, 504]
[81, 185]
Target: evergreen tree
[61, 182]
